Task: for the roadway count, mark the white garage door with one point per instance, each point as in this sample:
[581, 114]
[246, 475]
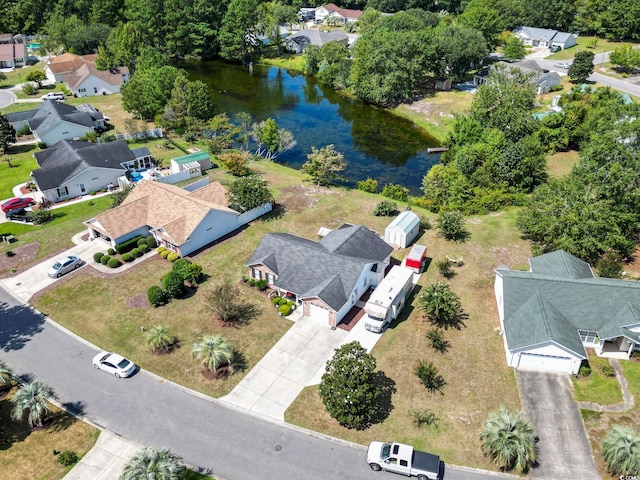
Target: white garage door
[547, 363]
[319, 313]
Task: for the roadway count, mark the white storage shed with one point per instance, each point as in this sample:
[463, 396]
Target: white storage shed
[403, 230]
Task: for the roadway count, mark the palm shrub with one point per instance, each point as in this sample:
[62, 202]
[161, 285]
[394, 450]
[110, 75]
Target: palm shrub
[156, 296]
[437, 340]
[621, 451]
[31, 400]
[451, 226]
[162, 464]
[160, 340]
[507, 438]
[445, 267]
[213, 352]
[6, 377]
[442, 306]
[429, 376]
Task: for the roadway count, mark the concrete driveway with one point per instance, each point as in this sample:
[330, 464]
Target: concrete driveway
[564, 450]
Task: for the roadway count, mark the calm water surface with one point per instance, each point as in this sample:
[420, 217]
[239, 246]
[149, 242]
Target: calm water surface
[374, 143]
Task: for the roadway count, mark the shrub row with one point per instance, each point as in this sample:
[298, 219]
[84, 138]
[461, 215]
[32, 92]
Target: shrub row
[128, 245]
[173, 282]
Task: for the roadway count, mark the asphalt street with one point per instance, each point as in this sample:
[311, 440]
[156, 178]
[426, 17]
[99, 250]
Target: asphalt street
[220, 441]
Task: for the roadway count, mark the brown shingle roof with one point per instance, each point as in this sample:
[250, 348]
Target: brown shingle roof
[158, 205]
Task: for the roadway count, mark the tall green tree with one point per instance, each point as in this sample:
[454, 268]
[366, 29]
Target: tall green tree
[458, 50]
[625, 58]
[507, 438]
[514, 49]
[324, 165]
[213, 352]
[238, 34]
[37, 76]
[31, 401]
[123, 46]
[247, 193]
[621, 451]
[347, 387]
[271, 140]
[582, 67]
[152, 464]
[7, 134]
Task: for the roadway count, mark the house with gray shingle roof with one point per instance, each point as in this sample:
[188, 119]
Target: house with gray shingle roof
[300, 40]
[545, 37]
[182, 221]
[550, 314]
[542, 77]
[326, 278]
[54, 121]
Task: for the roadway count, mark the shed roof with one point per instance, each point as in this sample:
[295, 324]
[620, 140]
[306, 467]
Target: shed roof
[405, 221]
[192, 157]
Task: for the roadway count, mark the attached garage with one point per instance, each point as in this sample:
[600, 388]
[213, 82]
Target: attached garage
[547, 363]
[319, 313]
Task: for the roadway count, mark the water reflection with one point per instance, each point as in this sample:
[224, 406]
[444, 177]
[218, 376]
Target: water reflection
[375, 143]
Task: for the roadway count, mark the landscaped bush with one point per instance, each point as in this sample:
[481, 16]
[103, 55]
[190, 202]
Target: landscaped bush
[425, 224]
[396, 192]
[285, 309]
[165, 253]
[292, 303]
[97, 256]
[584, 371]
[283, 301]
[141, 241]
[444, 267]
[67, 458]
[252, 282]
[276, 301]
[144, 248]
[173, 256]
[173, 284]
[161, 249]
[262, 285]
[151, 242]
[104, 259]
[136, 253]
[608, 371]
[386, 208]
[114, 263]
[369, 185]
[156, 296]
[424, 417]
[127, 257]
[111, 251]
[129, 245]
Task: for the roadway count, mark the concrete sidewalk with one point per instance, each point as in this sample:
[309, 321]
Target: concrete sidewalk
[105, 460]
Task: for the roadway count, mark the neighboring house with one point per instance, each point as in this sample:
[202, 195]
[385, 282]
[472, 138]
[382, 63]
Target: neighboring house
[13, 50]
[300, 40]
[194, 162]
[403, 229]
[180, 220]
[80, 75]
[72, 168]
[53, 121]
[550, 314]
[326, 278]
[543, 78]
[546, 38]
[331, 11]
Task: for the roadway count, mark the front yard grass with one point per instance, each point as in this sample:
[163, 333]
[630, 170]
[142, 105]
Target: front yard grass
[23, 163]
[597, 387]
[603, 45]
[27, 455]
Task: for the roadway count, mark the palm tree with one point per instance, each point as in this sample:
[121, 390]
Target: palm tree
[6, 377]
[508, 439]
[621, 451]
[31, 399]
[214, 352]
[151, 464]
[159, 340]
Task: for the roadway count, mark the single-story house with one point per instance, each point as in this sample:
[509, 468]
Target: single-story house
[544, 37]
[550, 314]
[71, 168]
[81, 76]
[300, 40]
[325, 278]
[403, 229]
[542, 77]
[330, 11]
[13, 50]
[53, 121]
[180, 220]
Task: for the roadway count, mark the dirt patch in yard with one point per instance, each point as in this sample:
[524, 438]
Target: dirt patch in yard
[299, 198]
[429, 109]
[138, 301]
[22, 255]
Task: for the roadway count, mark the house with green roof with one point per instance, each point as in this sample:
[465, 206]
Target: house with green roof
[552, 313]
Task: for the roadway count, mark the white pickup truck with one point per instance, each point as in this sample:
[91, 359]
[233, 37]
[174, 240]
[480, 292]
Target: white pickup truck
[403, 459]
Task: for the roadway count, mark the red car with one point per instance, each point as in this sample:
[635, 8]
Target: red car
[15, 203]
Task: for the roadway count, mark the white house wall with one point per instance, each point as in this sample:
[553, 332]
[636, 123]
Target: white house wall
[550, 349]
[360, 287]
[63, 130]
[94, 86]
[93, 179]
[498, 289]
[215, 224]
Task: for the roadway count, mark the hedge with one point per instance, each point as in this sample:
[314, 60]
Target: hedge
[141, 240]
[104, 259]
[156, 296]
[111, 251]
[165, 253]
[127, 257]
[128, 245]
[173, 256]
[161, 249]
[151, 242]
[144, 248]
[114, 263]
[136, 252]
[97, 256]
[276, 301]
[285, 309]
[173, 284]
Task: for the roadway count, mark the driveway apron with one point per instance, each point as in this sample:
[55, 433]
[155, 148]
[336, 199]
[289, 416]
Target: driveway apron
[564, 449]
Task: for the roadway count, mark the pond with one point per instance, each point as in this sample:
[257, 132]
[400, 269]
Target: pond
[374, 142]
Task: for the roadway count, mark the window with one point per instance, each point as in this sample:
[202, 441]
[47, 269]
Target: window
[404, 463]
[257, 274]
[270, 278]
[62, 192]
[82, 189]
[589, 337]
[82, 90]
[95, 90]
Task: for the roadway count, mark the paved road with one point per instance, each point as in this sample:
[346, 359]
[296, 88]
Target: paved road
[222, 441]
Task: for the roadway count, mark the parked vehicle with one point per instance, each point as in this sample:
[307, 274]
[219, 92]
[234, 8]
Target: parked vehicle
[387, 300]
[17, 202]
[563, 65]
[58, 96]
[19, 214]
[114, 364]
[64, 265]
[403, 459]
[555, 48]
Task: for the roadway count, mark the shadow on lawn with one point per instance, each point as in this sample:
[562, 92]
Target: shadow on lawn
[11, 431]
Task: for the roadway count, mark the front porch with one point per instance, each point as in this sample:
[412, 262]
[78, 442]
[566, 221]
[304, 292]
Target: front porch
[619, 348]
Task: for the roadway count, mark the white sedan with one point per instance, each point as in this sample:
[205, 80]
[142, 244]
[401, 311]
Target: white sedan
[64, 265]
[115, 364]
[563, 65]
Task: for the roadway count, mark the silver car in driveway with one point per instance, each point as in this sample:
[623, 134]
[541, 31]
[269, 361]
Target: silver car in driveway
[114, 364]
[64, 265]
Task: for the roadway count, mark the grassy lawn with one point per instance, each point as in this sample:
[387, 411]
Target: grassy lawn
[560, 164]
[435, 113]
[597, 387]
[56, 235]
[603, 45]
[23, 163]
[290, 61]
[597, 425]
[109, 105]
[14, 77]
[27, 455]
